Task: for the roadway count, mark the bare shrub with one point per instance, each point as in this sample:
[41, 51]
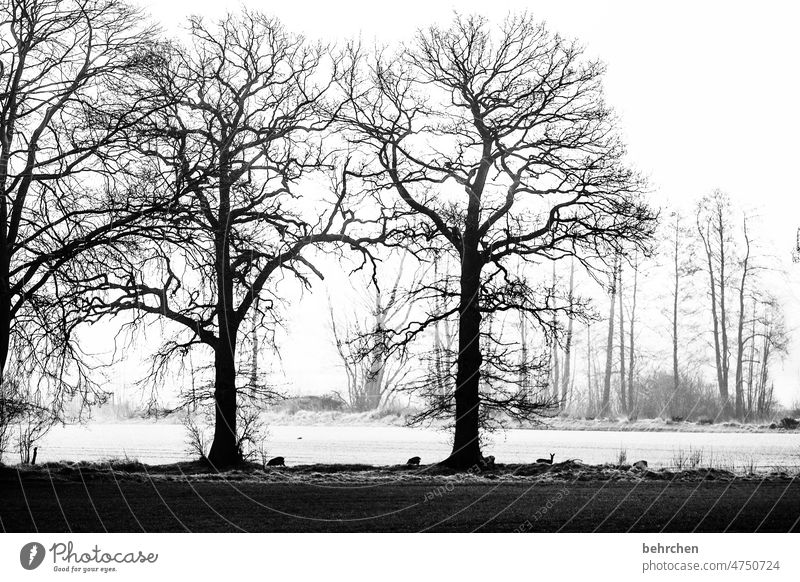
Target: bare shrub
[198, 433]
[252, 434]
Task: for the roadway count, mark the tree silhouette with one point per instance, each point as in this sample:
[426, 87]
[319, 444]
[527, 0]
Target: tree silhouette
[500, 142]
[63, 127]
[237, 145]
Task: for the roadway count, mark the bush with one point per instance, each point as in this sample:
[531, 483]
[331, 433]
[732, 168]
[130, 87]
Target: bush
[326, 403]
[694, 399]
[199, 431]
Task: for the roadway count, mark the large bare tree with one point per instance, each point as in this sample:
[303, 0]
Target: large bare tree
[63, 130]
[237, 144]
[500, 141]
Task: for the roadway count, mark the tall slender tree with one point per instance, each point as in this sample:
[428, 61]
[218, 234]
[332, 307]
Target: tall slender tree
[632, 395]
[555, 367]
[714, 232]
[565, 386]
[740, 337]
[622, 378]
[605, 406]
[675, 302]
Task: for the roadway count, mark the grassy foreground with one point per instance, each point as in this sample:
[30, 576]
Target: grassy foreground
[129, 497]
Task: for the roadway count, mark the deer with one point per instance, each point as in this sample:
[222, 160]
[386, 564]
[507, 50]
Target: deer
[547, 461]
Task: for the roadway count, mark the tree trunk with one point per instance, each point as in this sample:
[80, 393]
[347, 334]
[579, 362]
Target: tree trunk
[723, 316]
[555, 365]
[606, 403]
[5, 314]
[623, 397]
[439, 349]
[568, 341]
[466, 446]
[373, 383]
[589, 386]
[5, 332]
[764, 375]
[524, 372]
[740, 331]
[556, 371]
[224, 450]
[254, 355]
[751, 364]
[632, 353]
[5, 245]
[676, 291]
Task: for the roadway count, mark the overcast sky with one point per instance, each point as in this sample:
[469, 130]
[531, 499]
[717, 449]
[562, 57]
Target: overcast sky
[707, 93]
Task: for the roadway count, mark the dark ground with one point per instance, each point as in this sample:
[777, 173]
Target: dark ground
[96, 500]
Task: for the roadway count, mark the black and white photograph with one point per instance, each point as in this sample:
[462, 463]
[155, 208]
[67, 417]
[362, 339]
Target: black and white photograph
[366, 268]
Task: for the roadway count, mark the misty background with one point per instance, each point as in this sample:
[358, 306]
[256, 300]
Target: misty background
[705, 98]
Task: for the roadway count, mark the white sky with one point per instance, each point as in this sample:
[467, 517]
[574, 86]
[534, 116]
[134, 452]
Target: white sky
[708, 94]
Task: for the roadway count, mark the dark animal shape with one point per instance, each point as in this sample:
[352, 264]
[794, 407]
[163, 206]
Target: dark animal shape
[639, 465]
[276, 462]
[413, 461]
[547, 461]
[487, 462]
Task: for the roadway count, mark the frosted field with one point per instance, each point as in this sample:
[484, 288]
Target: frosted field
[156, 443]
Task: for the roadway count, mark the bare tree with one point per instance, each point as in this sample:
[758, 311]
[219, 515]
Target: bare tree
[565, 386]
[443, 360]
[623, 397]
[26, 410]
[236, 145]
[677, 272]
[631, 341]
[675, 303]
[714, 232]
[500, 142]
[32, 426]
[740, 338]
[555, 367]
[773, 341]
[591, 401]
[63, 128]
[524, 354]
[605, 406]
[751, 362]
[374, 372]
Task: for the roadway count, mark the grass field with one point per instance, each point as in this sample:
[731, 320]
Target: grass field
[94, 499]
